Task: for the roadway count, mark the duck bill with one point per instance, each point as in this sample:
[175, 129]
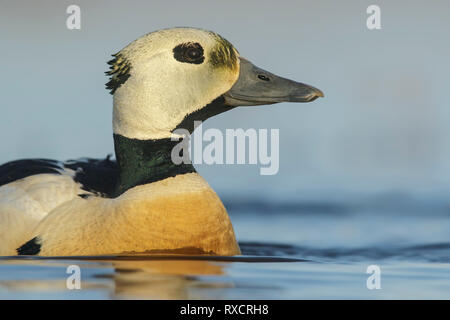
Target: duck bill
[256, 86]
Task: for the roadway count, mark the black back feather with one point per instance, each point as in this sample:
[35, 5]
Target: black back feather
[19, 169]
[96, 176]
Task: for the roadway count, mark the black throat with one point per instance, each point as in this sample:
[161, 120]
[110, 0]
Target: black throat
[145, 161]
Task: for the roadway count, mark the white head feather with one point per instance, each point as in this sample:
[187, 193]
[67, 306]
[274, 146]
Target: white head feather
[160, 90]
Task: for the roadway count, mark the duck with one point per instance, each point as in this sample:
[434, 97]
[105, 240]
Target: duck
[141, 202]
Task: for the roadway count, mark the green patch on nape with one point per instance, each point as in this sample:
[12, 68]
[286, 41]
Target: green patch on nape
[119, 72]
[224, 54]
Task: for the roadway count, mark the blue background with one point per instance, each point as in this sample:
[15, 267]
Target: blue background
[382, 127]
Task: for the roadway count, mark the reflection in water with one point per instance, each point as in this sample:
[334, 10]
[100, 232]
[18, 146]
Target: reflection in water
[135, 279]
[170, 279]
[130, 276]
[132, 279]
[254, 275]
[38, 279]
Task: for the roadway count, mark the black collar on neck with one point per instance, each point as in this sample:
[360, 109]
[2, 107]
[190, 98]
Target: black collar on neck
[145, 161]
[215, 107]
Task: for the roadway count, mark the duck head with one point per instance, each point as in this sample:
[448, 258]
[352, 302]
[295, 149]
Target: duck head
[167, 79]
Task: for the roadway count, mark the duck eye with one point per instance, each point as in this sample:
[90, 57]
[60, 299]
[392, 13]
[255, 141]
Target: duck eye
[263, 77]
[189, 53]
[194, 53]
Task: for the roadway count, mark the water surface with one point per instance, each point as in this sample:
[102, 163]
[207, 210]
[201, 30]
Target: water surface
[291, 250]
